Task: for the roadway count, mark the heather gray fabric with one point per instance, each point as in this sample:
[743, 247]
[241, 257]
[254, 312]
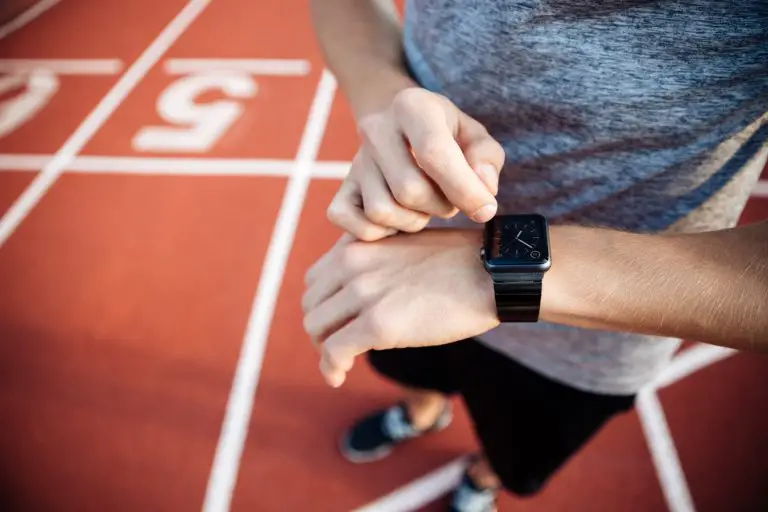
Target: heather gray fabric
[633, 114]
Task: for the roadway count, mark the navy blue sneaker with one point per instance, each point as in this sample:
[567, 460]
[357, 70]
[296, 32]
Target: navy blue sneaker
[468, 497]
[372, 438]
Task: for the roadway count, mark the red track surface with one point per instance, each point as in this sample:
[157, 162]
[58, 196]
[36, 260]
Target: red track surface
[126, 295]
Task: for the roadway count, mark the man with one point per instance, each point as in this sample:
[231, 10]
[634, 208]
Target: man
[639, 116]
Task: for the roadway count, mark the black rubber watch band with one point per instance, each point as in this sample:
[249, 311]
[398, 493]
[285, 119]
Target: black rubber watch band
[518, 300]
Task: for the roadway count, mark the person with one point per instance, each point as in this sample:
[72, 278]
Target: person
[636, 128]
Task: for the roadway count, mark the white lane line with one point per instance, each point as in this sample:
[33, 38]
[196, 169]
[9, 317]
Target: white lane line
[177, 166]
[663, 452]
[63, 66]
[761, 189]
[273, 67]
[422, 491]
[331, 170]
[690, 361]
[20, 162]
[35, 191]
[226, 462]
[27, 16]
[181, 166]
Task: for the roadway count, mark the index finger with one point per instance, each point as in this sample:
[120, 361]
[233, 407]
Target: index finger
[440, 157]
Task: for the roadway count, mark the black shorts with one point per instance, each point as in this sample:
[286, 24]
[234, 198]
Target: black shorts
[528, 425]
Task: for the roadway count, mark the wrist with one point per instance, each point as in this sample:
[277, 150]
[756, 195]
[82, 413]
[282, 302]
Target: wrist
[374, 92]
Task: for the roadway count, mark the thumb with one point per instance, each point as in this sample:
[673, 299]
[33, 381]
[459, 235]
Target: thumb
[483, 153]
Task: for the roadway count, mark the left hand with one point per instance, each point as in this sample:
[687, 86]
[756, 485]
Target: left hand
[423, 289]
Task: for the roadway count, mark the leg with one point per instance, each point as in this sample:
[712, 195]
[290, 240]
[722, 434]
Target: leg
[528, 425]
[424, 406]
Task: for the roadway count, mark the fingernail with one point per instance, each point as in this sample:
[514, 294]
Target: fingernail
[485, 213]
[336, 380]
[490, 177]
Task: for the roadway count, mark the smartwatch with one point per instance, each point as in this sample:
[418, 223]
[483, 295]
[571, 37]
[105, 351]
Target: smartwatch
[516, 254]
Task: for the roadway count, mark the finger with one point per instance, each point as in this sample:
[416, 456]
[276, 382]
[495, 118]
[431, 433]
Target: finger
[483, 153]
[382, 209]
[337, 310]
[324, 263]
[340, 349]
[441, 158]
[339, 267]
[345, 211]
[388, 148]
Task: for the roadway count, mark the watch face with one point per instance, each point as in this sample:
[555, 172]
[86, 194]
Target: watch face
[517, 241]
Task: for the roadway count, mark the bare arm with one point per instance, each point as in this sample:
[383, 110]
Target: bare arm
[361, 44]
[711, 287]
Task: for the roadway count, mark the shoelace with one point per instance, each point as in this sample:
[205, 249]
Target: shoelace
[467, 499]
[396, 426]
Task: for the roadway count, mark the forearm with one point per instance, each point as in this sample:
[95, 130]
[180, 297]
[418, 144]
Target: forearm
[361, 44]
[711, 287]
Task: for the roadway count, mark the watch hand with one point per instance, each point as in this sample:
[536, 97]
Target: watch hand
[525, 244]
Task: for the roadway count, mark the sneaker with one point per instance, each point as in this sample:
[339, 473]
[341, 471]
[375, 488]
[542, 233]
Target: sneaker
[468, 497]
[373, 437]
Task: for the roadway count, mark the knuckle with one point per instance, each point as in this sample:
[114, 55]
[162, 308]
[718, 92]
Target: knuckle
[310, 326]
[352, 256]
[381, 214]
[413, 193]
[405, 100]
[363, 287]
[336, 213]
[416, 225]
[430, 152]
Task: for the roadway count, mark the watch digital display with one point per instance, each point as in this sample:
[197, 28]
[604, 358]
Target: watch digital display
[517, 241]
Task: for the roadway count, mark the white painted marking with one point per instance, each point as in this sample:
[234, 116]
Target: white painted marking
[270, 67]
[663, 452]
[197, 127]
[16, 162]
[761, 189]
[226, 462]
[33, 92]
[181, 166]
[63, 66]
[692, 360]
[35, 191]
[37, 9]
[192, 166]
[422, 491]
[331, 170]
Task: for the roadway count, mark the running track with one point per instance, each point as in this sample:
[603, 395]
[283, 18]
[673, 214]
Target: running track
[152, 356]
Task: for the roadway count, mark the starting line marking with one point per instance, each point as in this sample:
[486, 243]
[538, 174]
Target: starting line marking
[63, 66]
[175, 166]
[269, 67]
[200, 166]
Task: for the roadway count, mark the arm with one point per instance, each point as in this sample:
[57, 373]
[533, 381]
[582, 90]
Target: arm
[361, 43]
[420, 156]
[711, 287]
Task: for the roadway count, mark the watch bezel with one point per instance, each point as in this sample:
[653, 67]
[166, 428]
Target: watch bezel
[515, 268]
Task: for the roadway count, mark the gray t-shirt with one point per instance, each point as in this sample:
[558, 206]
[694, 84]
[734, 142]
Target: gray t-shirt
[634, 114]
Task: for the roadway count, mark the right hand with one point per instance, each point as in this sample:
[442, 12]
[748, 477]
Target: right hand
[421, 157]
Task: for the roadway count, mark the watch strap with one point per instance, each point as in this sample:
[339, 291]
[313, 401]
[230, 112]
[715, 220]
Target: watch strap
[518, 297]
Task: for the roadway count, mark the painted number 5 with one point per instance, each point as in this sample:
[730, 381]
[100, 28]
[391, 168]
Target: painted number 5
[34, 92]
[198, 125]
